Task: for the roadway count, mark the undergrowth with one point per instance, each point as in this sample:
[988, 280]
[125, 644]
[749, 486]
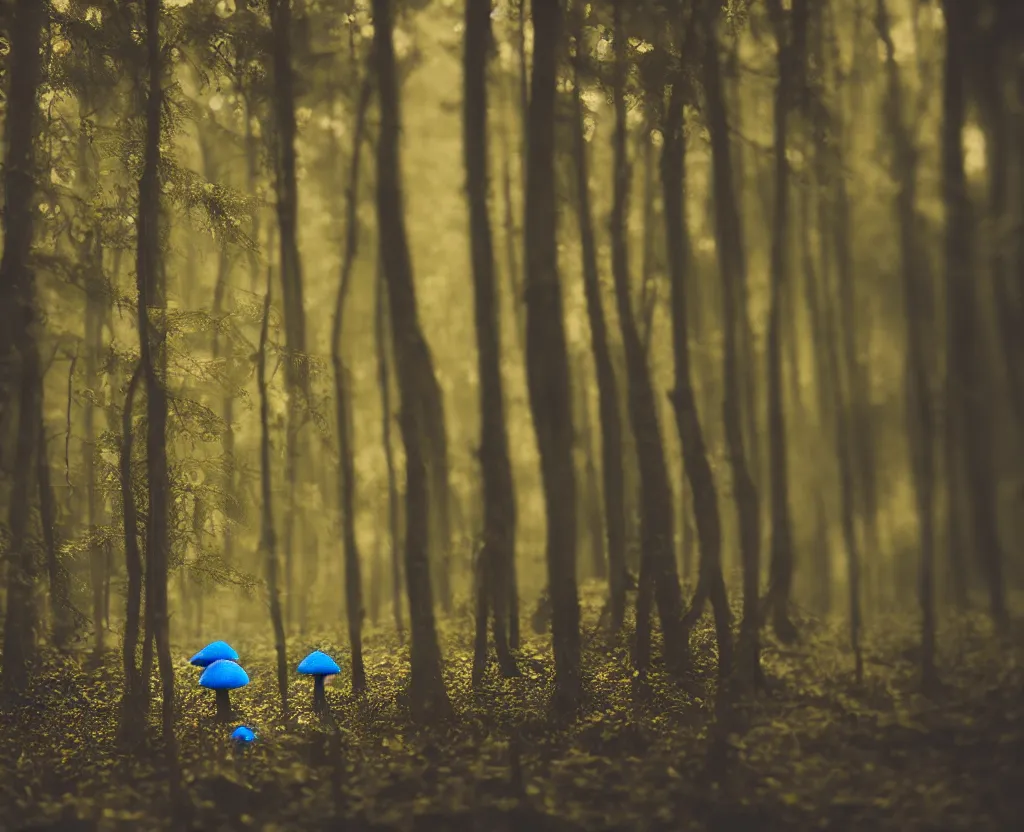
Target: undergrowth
[812, 751]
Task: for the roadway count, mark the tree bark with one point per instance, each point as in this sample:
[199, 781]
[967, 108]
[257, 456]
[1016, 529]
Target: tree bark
[496, 468]
[268, 536]
[790, 36]
[697, 469]
[152, 318]
[135, 687]
[969, 429]
[384, 381]
[342, 402]
[658, 575]
[63, 612]
[921, 428]
[547, 359]
[296, 364]
[612, 474]
[732, 266]
[19, 352]
[413, 366]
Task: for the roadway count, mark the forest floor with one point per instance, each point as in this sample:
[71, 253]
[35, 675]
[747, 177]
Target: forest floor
[812, 752]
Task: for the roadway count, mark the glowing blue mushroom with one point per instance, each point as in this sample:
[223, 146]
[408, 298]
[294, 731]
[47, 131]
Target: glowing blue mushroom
[223, 676]
[243, 735]
[318, 665]
[215, 651]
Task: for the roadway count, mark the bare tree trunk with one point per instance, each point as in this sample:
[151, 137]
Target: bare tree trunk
[791, 39]
[920, 417]
[136, 688]
[383, 376]
[296, 365]
[268, 538]
[342, 402]
[697, 469]
[732, 265]
[969, 426]
[496, 467]
[607, 388]
[413, 366]
[152, 313]
[547, 359]
[658, 575]
[63, 611]
[20, 386]
[591, 501]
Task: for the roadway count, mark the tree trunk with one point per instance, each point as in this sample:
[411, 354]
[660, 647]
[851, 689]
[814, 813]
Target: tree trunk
[135, 686]
[698, 470]
[607, 388]
[547, 359]
[19, 352]
[342, 404]
[791, 39]
[732, 266]
[861, 426]
[296, 364]
[496, 468]
[63, 611]
[658, 573]
[969, 427]
[413, 366]
[268, 537]
[152, 315]
[384, 381]
[920, 417]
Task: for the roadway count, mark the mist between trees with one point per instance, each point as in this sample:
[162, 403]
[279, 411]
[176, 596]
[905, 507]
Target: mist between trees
[348, 317]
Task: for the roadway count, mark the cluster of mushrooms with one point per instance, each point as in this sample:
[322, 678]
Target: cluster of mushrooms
[222, 674]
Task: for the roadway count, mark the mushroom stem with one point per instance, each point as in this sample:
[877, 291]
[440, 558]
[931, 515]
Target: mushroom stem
[319, 694]
[223, 705]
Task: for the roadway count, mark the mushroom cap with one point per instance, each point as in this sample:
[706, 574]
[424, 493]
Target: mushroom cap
[243, 735]
[318, 663]
[224, 675]
[213, 652]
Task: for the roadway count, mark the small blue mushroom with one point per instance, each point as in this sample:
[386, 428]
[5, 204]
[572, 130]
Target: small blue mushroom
[243, 735]
[318, 665]
[215, 651]
[223, 676]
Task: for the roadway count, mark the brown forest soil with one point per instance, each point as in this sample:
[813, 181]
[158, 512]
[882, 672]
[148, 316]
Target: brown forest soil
[812, 752]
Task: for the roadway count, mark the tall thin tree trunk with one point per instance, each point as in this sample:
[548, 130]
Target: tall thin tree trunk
[384, 382]
[296, 365]
[152, 315]
[19, 352]
[698, 472]
[790, 36]
[547, 358]
[607, 389]
[342, 398]
[732, 266]
[268, 537]
[921, 428]
[496, 467]
[62, 609]
[969, 423]
[413, 365]
[135, 687]
[658, 575]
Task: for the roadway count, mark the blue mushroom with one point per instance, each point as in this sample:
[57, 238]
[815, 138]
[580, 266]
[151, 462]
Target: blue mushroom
[243, 735]
[215, 651]
[318, 665]
[223, 676]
